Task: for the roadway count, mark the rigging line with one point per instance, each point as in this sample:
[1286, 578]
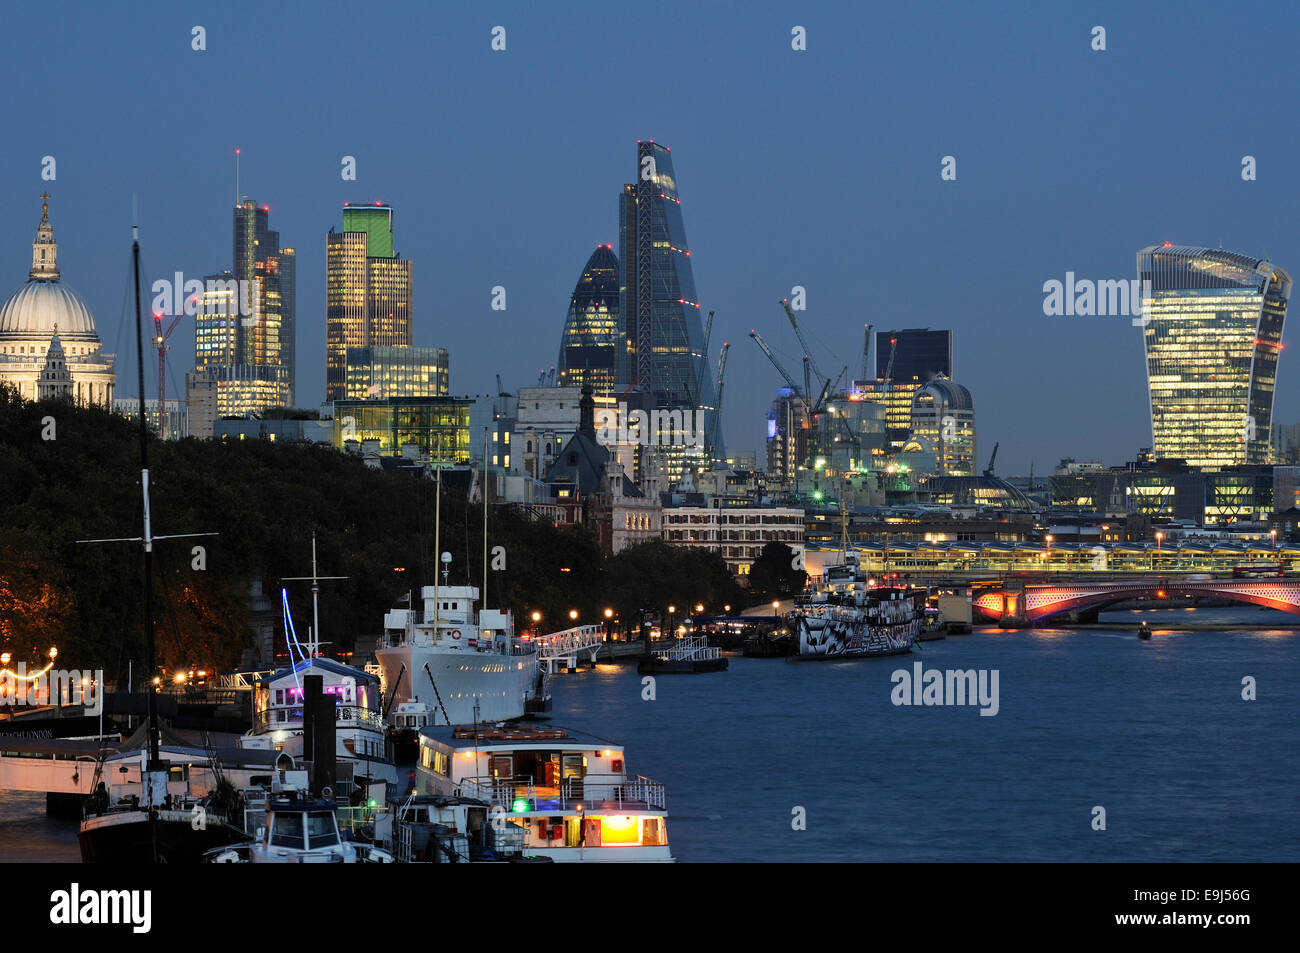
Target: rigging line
[289, 633]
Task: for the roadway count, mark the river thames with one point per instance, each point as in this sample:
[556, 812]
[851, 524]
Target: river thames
[1155, 733]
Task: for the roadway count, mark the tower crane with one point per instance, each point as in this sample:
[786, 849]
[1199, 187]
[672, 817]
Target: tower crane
[803, 342]
[758, 339]
[717, 412]
[988, 471]
[704, 364]
[160, 344]
[866, 353]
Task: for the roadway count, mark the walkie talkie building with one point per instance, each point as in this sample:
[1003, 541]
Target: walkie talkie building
[1212, 324]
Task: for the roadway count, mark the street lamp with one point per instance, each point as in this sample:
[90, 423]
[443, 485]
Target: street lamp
[1049, 550]
[1159, 539]
[573, 614]
[776, 609]
[1273, 535]
[609, 615]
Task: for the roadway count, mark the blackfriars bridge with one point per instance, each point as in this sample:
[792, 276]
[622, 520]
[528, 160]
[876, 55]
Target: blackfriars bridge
[1019, 603]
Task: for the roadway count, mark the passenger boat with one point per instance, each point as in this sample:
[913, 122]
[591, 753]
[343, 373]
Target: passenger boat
[848, 617]
[566, 794]
[444, 659]
[361, 743]
[1144, 632]
[454, 658]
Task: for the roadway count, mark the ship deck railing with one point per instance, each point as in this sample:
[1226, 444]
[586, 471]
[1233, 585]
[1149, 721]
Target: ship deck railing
[346, 716]
[354, 819]
[593, 792]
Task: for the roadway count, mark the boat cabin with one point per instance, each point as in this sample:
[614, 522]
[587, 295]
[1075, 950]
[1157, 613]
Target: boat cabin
[568, 791]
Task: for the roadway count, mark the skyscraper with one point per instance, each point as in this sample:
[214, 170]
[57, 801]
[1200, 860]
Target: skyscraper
[1213, 332]
[905, 361]
[661, 339]
[367, 291]
[265, 338]
[589, 343]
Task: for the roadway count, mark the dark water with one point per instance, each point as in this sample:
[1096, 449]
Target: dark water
[1157, 733]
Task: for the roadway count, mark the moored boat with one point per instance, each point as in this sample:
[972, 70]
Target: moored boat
[564, 794]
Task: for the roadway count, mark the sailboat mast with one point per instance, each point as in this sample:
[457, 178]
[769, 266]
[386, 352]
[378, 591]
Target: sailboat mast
[483, 601]
[437, 542]
[154, 763]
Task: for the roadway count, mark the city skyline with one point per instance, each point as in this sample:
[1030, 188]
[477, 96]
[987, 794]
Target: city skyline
[1027, 186]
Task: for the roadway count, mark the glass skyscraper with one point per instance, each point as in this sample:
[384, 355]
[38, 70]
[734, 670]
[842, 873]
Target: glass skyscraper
[589, 343]
[367, 291]
[661, 339]
[378, 373]
[1213, 332]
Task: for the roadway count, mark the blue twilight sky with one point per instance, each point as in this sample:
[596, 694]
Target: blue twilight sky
[818, 168]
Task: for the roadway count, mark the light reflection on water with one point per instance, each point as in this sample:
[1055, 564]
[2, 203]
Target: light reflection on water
[1156, 732]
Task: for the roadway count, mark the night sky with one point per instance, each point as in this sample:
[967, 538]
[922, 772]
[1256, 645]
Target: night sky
[818, 168]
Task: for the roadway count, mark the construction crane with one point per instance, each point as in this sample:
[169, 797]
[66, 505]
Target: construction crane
[889, 368]
[758, 339]
[988, 471]
[866, 354]
[704, 364]
[717, 412]
[803, 342]
[160, 344]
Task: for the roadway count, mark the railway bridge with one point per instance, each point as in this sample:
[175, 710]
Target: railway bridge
[1013, 603]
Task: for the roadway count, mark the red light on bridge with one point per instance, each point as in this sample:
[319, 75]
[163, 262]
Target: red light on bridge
[1161, 594]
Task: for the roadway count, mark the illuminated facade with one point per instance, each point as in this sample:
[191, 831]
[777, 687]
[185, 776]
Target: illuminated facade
[367, 291]
[661, 340]
[438, 426]
[48, 343]
[1213, 333]
[589, 344]
[232, 390]
[906, 360]
[265, 338]
[943, 423]
[376, 373]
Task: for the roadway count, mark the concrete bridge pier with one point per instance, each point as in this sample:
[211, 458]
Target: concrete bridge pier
[1013, 614]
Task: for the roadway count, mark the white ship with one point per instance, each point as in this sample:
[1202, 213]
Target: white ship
[446, 658]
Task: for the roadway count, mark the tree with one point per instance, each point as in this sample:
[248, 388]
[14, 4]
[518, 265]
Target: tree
[773, 574]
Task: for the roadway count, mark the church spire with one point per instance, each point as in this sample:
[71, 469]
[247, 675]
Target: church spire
[45, 250]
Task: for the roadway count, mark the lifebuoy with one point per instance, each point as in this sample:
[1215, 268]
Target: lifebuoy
[455, 633]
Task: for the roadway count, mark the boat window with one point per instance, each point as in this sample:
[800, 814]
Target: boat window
[575, 766]
[286, 830]
[502, 766]
[321, 831]
[653, 833]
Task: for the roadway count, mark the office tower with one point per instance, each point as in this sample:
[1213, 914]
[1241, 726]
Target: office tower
[904, 361]
[589, 343]
[1213, 332]
[661, 346]
[264, 338]
[788, 430]
[367, 291]
[378, 373]
[943, 423]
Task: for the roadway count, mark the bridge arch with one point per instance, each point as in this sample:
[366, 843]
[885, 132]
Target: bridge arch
[1036, 602]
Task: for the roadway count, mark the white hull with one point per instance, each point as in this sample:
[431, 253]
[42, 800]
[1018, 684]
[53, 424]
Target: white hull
[500, 684]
